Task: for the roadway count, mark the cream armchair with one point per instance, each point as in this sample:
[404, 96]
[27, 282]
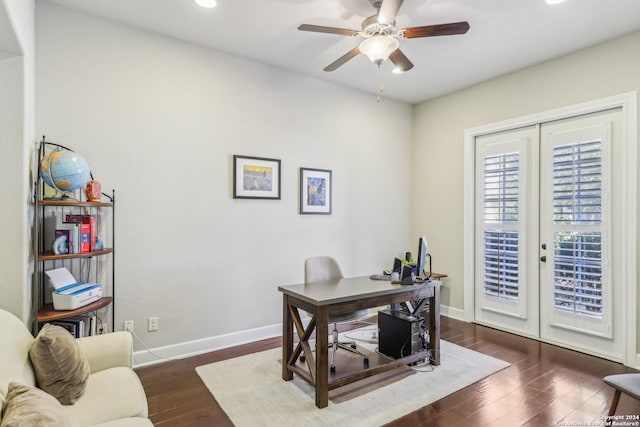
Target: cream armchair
[113, 396]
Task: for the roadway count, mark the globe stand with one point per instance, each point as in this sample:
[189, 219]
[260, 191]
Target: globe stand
[63, 197]
[67, 198]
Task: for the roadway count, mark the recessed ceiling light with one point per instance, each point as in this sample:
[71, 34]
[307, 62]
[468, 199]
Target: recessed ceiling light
[554, 1]
[206, 3]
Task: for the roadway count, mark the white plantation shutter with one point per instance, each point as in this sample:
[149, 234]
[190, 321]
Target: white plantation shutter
[578, 291]
[501, 197]
[502, 164]
[577, 209]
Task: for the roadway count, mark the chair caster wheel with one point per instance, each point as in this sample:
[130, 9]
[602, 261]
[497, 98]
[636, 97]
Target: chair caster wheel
[353, 346]
[333, 369]
[302, 359]
[366, 362]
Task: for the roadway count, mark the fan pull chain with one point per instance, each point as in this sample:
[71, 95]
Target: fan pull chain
[381, 88]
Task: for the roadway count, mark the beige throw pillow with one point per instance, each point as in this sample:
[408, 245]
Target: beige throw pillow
[59, 364]
[29, 407]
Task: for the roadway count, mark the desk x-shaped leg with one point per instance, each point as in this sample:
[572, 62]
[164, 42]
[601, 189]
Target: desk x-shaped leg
[303, 343]
[419, 304]
[317, 372]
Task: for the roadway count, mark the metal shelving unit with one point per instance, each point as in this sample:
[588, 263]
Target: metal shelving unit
[95, 266]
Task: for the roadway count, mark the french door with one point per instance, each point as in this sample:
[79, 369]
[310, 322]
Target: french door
[506, 292]
[548, 222]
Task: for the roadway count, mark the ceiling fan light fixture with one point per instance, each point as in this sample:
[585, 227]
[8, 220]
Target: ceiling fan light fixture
[378, 48]
[206, 3]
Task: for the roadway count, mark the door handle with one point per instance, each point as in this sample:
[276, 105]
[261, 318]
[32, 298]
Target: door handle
[543, 258]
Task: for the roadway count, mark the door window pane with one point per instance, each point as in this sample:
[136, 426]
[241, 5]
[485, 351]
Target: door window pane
[501, 188]
[578, 272]
[501, 264]
[577, 183]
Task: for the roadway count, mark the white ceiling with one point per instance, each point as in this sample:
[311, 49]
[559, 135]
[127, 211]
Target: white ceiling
[505, 35]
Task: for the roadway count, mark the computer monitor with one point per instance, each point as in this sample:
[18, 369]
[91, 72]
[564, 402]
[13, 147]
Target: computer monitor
[422, 255]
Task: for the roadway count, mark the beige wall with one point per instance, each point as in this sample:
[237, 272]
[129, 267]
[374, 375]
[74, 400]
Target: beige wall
[11, 172]
[600, 71]
[159, 120]
[16, 137]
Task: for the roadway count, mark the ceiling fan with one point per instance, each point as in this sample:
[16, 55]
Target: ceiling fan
[381, 36]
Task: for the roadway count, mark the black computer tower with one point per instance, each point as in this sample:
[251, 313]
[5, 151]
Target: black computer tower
[399, 334]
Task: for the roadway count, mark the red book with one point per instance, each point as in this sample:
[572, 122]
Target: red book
[85, 238]
[93, 221]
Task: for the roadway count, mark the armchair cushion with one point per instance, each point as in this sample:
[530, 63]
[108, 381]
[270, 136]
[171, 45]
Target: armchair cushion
[15, 365]
[27, 406]
[111, 394]
[59, 364]
[107, 350]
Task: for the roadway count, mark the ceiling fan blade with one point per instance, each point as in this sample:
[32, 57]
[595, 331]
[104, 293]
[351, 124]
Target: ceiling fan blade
[388, 11]
[400, 60]
[436, 30]
[343, 59]
[329, 30]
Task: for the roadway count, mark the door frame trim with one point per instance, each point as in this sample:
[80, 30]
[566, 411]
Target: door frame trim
[629, 105]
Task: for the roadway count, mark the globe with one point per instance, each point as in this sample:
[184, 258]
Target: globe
[64, 170]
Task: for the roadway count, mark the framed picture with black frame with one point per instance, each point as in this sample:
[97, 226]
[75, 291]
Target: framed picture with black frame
[256, 178]
[315, 191]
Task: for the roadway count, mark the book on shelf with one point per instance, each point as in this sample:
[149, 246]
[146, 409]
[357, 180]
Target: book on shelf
[78, 326]
[84, 234]
[89, 225]
[62, 242]
[73, 244]
[89, 324]
[93, 325]
[72, 327]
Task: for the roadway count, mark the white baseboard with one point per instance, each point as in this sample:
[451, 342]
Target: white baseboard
[203, 345]
[454, 313]
[637, 362]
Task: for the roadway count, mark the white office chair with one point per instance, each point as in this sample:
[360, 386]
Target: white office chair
[321, 268]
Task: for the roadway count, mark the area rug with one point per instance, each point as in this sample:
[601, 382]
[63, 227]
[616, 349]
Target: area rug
[251, 391]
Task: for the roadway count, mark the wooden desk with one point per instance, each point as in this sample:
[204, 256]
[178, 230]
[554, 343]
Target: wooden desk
[321, 299]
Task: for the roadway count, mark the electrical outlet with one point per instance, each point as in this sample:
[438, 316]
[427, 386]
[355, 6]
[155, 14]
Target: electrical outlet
[152, 324]
[128, 325]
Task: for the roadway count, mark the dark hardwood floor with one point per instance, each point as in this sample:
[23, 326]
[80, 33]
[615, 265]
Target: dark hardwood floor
[544, 386]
